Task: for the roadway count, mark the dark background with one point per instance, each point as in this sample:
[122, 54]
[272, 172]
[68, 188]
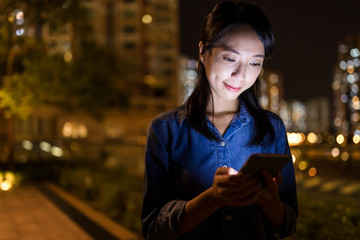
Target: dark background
[307, 34]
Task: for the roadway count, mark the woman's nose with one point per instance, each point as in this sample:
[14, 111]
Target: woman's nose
[239, 71]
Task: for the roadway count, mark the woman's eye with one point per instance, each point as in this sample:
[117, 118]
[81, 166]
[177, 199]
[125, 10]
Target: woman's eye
[229, 59]
[255, 64]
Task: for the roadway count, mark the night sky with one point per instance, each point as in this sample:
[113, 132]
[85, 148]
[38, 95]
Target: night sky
[307, 34]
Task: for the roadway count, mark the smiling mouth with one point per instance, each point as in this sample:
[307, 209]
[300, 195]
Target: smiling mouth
[232, 89]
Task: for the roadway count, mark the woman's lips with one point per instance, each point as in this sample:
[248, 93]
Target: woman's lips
[232, 89]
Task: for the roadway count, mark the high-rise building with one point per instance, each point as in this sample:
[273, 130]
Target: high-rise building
[272, 90]
[188, 77]
[144, 34]
[318, 115]
[346, 88]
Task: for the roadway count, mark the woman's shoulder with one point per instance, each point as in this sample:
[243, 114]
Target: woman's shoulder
[274, 118]
[173, 116]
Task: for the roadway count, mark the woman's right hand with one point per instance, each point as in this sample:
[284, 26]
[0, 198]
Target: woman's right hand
[235, 190]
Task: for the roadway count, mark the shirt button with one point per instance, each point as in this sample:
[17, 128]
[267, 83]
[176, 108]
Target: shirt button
[228, 217]
[222, 144]
[225, 166]
[276, 235]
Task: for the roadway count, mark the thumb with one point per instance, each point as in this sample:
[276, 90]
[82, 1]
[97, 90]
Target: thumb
[225, 171]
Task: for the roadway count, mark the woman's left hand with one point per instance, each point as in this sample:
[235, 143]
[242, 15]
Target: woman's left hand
[269, 199]
[270, 191]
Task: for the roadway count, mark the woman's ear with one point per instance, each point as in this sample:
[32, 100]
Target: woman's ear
[202, 52]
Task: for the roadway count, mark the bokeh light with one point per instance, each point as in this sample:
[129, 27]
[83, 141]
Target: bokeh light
[312, 172]
[340, 139]
[335, 152]
[147, 19]
[302, 165]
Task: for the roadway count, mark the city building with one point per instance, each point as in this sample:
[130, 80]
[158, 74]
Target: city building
[345, 87]
[145, 35]
[187, 79]
[318, 115]
[272, 90]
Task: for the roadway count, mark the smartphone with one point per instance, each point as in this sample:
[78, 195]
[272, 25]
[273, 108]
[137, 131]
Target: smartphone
[272, 162]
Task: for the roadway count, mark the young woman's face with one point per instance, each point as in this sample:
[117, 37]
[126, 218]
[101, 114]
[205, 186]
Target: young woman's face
[233, 64]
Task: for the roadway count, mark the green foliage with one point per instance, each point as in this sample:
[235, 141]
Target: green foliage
[326, 216]
[112, 191]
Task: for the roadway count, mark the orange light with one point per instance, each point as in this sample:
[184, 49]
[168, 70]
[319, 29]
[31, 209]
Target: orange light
[312, 172]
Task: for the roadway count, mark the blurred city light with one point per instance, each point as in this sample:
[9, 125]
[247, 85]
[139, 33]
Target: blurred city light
[142, 140]
[302, 165]
[335, 152]
[6, 185]
[27, 145]
[68, 56]
[343, 65]
[7, 180]
[74, 129]
[147, 19]
[312, 172]
[45, 146]
[345, 156]
[355, 52]
[312, 138]
[295, 139]
[56, 151]
[74, 146]
[20, 31]
[356, 139]
[340, 139]
[350, 69]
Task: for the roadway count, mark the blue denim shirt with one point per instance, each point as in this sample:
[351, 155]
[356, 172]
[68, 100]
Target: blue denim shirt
[181, 164]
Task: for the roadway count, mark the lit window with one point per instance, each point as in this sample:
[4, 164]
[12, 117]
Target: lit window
[147, 19]
[74, 130]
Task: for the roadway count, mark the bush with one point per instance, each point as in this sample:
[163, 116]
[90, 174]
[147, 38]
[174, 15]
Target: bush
[326, 216]
[112, 191]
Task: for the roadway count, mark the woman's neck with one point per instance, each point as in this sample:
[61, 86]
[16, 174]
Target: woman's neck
[221, 107]
[222, 114]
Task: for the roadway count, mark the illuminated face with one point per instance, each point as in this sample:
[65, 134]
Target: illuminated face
[233, 64]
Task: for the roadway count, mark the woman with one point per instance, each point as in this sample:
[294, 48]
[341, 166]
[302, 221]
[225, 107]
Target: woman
[191, 188]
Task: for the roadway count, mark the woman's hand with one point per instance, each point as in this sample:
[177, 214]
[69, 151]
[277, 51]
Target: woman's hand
[235, 190]
[270, 190]
[269, 199]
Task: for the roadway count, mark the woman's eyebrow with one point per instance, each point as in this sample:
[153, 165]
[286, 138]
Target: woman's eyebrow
[229, 49]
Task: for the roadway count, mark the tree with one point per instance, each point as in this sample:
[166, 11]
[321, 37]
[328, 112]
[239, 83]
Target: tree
[31, 75]
[84, 77]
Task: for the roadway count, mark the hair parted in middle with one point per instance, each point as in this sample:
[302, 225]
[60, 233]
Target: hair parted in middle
[226, 17]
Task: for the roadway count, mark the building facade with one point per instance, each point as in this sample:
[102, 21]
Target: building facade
[143, 33]
[345, 87]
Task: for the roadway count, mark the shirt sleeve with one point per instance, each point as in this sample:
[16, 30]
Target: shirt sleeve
[287, 190]
[161, 214]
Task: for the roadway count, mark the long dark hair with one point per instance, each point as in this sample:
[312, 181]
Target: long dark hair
[224, 18]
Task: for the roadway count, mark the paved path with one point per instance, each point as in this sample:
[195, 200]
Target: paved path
[29, 213]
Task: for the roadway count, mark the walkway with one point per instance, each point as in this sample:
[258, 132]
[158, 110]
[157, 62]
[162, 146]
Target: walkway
[48, 213]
